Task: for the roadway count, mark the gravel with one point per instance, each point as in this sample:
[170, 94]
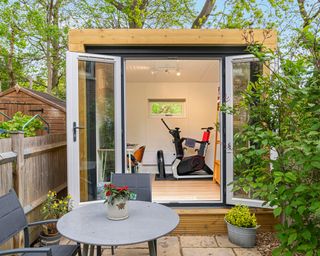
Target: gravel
[266, 242]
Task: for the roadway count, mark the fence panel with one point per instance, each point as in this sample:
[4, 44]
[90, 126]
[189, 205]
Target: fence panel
[32, 166]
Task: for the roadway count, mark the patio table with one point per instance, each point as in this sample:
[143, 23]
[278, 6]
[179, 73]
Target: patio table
[146, 222]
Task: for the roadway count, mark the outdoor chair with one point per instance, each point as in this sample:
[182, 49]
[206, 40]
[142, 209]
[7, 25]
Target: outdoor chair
[13, 220]
[139, 183]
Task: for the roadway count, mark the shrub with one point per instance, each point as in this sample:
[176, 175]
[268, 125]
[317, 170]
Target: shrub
[16, 124]
[240, 216]
[54, 208]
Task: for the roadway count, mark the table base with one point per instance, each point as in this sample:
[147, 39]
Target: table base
[88, 250]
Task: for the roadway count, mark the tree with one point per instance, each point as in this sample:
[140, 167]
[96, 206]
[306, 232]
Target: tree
[284, 112]
[137, 13]
[47, 36]
[12, 43]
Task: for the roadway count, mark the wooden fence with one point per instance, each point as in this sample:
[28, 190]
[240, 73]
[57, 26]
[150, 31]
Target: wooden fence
[33, 166]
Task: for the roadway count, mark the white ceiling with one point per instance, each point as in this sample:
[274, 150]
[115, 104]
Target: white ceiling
[166, 71]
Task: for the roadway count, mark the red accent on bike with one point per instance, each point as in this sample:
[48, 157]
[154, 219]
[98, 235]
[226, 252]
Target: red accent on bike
[206, 136]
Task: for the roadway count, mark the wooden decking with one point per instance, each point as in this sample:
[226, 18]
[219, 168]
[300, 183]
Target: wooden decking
[185, 190]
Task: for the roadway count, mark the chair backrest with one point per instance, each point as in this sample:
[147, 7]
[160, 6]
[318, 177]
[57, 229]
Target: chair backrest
[138, 154]
[12, 217]
[139, 183]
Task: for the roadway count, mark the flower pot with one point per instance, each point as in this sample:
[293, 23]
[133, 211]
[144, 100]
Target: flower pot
[118, 210]
[48, 240]
[244, 237]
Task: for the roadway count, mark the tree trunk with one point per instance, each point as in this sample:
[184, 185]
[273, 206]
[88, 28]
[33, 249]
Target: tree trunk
[12, 78]
[55, 46]
[204, 14]
[48, 52]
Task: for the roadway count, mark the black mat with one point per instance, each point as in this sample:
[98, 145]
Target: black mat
[170, 177]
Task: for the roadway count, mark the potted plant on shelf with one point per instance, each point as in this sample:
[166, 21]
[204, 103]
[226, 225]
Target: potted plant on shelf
[53, 208]
[242, 226]
[116, 201]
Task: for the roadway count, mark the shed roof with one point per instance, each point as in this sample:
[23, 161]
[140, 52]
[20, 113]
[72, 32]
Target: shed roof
[79, 39]
[42, 96]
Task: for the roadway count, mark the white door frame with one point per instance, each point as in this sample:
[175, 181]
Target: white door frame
[73, 117]
[230, 199]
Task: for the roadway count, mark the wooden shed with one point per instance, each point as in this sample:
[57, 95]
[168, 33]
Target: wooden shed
[117, 79]
[31, 102]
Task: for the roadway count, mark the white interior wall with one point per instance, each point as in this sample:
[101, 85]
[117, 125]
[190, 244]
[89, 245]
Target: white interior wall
[201, 111]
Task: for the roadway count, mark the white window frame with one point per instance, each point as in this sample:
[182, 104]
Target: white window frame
[167, 100]
[230, 198]
[72, 75]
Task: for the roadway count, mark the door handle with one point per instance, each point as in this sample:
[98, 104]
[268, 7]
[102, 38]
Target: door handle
[75, 127]
[229, 148]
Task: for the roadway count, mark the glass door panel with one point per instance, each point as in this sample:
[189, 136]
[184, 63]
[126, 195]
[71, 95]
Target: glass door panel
[96, 119]
[240, 71]
[93, 96]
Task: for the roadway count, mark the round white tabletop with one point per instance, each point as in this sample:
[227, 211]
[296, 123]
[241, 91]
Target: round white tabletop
[146, 222]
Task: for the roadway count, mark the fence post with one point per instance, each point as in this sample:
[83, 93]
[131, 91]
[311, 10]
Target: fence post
[17, 146]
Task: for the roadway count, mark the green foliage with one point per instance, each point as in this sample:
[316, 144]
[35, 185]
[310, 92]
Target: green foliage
[284, 111]
[54, 208]
[16, 124]
[240, 216]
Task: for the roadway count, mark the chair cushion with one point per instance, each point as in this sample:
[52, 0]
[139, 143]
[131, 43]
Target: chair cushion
[58, 250]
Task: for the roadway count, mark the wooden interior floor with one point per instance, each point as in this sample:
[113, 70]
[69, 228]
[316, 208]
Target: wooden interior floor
[185, 190]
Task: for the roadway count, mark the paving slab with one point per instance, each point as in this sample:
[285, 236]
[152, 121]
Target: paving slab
[168, 246]
[134, 246]
[207, 252]
[127, 252]
[247, 252]
[198, 241]
[223, 241]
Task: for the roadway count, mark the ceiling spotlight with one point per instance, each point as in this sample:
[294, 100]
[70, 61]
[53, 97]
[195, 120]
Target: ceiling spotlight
[178, 73]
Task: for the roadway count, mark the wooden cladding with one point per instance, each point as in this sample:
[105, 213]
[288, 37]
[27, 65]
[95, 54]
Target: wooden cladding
[79, 39]
[209, 221]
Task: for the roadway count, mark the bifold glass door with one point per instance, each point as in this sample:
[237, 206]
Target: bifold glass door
[94, 123]
[240, 71]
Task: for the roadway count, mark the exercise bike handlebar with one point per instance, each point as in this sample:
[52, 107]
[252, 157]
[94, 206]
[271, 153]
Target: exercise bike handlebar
[207, 128]
[165, 124]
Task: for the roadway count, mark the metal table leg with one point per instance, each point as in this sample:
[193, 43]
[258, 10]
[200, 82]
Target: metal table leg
[99, 250]
[91, 253]
[152, 247]
[85, 249]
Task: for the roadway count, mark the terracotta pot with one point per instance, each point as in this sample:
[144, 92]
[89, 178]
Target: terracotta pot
[118, 210]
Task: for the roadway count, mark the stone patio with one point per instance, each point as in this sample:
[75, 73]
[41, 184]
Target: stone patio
[217, 245]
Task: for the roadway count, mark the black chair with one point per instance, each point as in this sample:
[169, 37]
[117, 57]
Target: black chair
[13, 220]
[139, 183]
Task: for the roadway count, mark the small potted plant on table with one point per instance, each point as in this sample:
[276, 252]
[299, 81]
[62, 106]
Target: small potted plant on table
[242, 226]
[53, 208]
[116, 201]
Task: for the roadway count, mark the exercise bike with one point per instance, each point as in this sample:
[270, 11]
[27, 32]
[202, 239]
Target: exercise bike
[191, 166]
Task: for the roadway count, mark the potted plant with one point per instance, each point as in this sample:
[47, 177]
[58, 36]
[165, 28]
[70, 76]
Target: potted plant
[116, 201]
[242, 226]
[53, 208]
